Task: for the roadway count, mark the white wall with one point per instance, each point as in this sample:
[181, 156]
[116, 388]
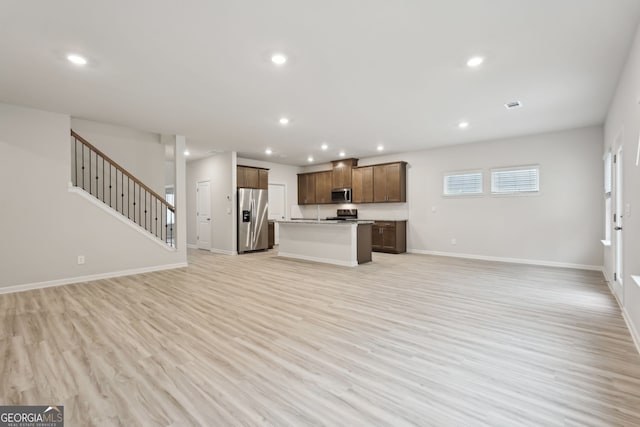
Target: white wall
[562, 224]
[44, 226]
[624, 118]
[138, 152]
[279, 174]
[219, 170]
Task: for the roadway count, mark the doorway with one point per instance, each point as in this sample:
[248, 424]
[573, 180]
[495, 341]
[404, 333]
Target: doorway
[203, 214]
[277, 206]
[618, 217]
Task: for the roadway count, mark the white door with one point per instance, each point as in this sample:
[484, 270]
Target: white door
[203, 214]
[277, 206]
[618, 216]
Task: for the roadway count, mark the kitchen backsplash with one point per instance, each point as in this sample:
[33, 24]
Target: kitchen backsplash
[377, 211]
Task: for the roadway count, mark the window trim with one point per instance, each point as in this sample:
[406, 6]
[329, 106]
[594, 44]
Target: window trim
[608, 164]
[536, 192]
[463, 172]
[608, 200]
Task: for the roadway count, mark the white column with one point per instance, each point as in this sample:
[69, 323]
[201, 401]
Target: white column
[181, 194]
[233, 203]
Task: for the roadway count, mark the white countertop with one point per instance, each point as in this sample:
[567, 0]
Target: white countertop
[323, 221]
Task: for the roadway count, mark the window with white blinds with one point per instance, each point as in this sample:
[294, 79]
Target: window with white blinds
[460, 184]
[524, 179]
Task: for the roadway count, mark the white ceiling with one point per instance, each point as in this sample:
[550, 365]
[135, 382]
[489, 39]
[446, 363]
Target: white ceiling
[360, 72]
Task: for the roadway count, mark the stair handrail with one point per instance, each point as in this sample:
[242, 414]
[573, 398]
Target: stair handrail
[123, 170]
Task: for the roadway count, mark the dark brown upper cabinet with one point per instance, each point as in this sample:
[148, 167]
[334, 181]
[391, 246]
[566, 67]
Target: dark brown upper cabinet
[362, 185]
[250, 177]
[323, 187]
[341, 173]
[306, 188]
[390, 182]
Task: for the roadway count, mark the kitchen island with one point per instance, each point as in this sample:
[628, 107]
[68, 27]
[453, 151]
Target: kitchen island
[346, 243]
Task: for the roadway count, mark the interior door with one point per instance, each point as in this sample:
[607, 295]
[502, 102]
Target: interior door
[277, 206]
[617, 225]
[203, 214]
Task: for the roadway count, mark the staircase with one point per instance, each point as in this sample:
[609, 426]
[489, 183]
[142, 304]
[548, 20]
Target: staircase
[100, 176]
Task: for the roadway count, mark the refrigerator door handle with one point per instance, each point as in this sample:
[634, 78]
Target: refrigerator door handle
[252, 231]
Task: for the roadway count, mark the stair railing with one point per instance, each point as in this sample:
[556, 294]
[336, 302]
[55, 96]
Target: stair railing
[100, 176]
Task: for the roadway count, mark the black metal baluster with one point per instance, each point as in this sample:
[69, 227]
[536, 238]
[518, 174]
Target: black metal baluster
[90, 191]
[110, 184]
[134, 202]
[83, 167]
[122, 192]
[151, 227]
[75, 148]
[156, 206]
[97, 185]
[145, 210]
[103, 199]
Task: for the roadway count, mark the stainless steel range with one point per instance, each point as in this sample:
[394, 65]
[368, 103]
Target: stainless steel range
[344, 215]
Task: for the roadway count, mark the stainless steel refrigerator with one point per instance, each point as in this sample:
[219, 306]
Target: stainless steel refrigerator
[253, 225]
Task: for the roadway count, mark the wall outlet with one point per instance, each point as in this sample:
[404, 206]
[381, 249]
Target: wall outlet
[80, 259]
[454, 241]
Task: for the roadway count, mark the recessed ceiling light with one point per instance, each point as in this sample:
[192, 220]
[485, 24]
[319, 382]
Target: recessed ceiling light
[513, 104]
[310, 159]
[268, 151]
[278, 58]
[186, 152]
[284, 121]
[475, 61]
[380, 147]
[77, 59]
[324, 147]
[463, 125]
[341, 154]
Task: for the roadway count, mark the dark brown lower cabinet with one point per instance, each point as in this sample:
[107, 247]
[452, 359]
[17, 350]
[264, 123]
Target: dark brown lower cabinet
[364, 243]
[389, 236]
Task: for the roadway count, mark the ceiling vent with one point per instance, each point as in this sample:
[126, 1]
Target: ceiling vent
[512, 105]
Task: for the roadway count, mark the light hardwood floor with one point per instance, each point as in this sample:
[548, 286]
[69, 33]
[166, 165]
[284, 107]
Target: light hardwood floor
[260, 340]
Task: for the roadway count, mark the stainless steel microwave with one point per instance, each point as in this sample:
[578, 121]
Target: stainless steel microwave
[341, 195]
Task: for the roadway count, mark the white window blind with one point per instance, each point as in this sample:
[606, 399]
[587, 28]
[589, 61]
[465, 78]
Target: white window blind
[463, 183]
[515, 180]
[607, 173]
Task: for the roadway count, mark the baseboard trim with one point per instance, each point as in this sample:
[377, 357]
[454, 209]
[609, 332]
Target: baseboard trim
[508, 260]
[222, 251]
[635, 336]
[115, 214]
[190, 246]
[317, 259]
[632, 328]
[89, 278]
